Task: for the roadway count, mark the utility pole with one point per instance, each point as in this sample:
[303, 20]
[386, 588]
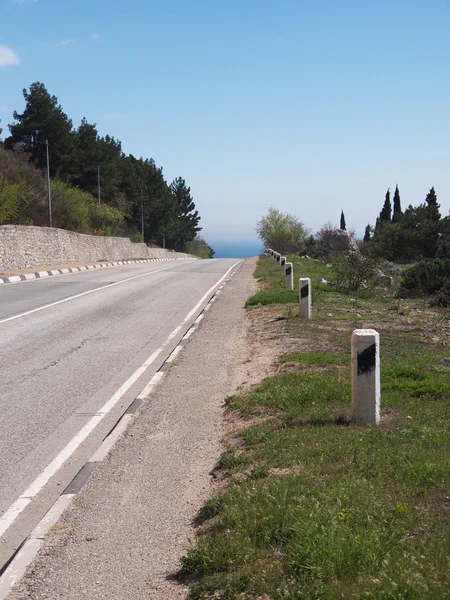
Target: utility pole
[98, 169]
[142, 215]
[49, 188]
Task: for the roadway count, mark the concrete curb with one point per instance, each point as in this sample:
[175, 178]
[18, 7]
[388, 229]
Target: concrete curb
[41, 274]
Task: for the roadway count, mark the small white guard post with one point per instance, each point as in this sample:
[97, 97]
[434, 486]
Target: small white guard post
[282, 261]
[305, 297]
[289, 274]
[366, 376]
[278, 257]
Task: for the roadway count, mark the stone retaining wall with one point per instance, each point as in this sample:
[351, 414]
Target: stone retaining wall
[23, 247]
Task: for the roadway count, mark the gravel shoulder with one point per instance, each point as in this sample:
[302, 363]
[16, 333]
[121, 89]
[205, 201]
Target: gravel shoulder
[126, 530]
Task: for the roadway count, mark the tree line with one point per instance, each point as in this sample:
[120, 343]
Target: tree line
[419, 232]
[95, 187]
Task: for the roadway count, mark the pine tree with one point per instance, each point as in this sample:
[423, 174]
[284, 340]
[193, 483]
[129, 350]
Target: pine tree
[342, 225]
[188, 218]
[43, 119]
[86, 159]
[397, 206]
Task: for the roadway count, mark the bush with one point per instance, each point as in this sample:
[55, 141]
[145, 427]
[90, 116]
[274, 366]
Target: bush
[428, 277]
[136, 238]
[353, 270]
[33, 207]
[199, 247]
[103, 217]
[69, 207]
[13, 196]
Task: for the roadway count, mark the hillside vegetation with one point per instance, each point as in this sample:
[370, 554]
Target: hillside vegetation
[95, 187]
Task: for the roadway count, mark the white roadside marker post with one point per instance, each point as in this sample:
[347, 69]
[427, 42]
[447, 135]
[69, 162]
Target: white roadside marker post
[305, 297]
[289, 275]
[282, 261]
[366, 376]
[278, 257]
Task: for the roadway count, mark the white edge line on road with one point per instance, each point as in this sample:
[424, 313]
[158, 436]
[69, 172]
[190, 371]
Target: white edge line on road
[11, 514]
[103, 287]
[111, 439]
[16, 570]
[150, 385]
[175, 353]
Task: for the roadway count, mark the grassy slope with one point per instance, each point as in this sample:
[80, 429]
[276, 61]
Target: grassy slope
[317, 506]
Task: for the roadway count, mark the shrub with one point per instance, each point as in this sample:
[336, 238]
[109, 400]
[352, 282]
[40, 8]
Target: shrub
[353, 270]
[103, 218]
[136, 238]
[428, 277]
[12, 197]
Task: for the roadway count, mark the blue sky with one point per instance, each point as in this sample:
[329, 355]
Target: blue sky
[311, 106]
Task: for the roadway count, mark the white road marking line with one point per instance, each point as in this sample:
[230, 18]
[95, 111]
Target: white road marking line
[10, 515]
[157, 377]
[111, 439]
[104, 287]
[174, 354]
[198, 319]
[189, 333]
[16, 570]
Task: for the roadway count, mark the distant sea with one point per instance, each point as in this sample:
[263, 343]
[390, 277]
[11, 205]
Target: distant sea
[236, 249]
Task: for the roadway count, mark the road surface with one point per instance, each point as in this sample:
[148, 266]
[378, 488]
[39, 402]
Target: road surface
[75, 350]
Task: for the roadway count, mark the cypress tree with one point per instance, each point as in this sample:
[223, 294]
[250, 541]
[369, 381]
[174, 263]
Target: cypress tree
[397, 206]
[432, 205]
[367, 237]
[385, 214]
[342, 226]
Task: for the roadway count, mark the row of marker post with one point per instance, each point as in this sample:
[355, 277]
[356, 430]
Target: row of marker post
[365, 352]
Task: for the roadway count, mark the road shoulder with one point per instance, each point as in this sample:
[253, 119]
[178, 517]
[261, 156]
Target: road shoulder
[126, 530]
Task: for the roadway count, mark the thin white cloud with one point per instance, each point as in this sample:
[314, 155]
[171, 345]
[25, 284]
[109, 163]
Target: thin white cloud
[66, 43]
[8, 57]
[112, 115]
[95, 37]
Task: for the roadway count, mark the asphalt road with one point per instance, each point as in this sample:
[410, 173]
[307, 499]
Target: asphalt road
[67, 345]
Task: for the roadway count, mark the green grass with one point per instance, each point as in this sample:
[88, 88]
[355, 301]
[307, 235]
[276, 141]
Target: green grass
[271, 274]
[319, 507]
[319, 359]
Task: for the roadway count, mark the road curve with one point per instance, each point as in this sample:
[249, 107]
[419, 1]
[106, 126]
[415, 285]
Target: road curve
[67, 345]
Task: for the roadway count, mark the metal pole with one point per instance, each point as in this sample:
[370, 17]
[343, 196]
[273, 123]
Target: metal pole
[50, 218]
[99, 184]
[142, 215]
